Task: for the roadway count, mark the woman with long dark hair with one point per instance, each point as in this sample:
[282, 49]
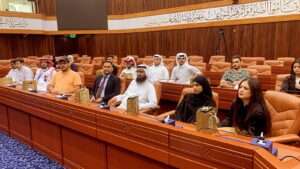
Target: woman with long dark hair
[200, 96]
[292, 83]
[249, 112]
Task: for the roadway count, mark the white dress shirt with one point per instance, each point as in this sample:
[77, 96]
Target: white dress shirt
[19, 75]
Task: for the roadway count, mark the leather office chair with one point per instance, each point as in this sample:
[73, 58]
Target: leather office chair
[284, 110]
[248, 61]
[98, 60]
[279, 80]
[31, 62]
[32, 57]
[85, 59]
[87, 69]
[76, 57]
[200, 65]
[195, 59]
[253, 72]
[216, 58]
[147, 61]
[274, 62]
[172, 57]
[287, 60]
[261, 69]
[81, 74]
[5, 63]
[220, 66]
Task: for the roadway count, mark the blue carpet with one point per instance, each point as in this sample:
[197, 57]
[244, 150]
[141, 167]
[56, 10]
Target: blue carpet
[15, 155]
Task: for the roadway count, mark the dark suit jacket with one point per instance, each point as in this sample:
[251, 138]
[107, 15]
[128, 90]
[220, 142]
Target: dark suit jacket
[112, 88]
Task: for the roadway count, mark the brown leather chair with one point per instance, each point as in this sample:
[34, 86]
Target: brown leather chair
[172, 57]
[87, 69]
[287, 60]
[32, 57]
[279, 80]
[31, 62]
[82, 77]
[147, 61]
[98, 60]
[261, 69]
[195, 59]
[149, 57]
[253, 72]
[220, 66]
[76, 57]
[5, 63]
[216, 58]
[200, 65]
[284, 110]
[248, 61]
[85, 59]
[274, 62]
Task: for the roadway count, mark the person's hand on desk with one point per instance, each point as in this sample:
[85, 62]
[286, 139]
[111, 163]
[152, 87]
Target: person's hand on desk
[93, 99]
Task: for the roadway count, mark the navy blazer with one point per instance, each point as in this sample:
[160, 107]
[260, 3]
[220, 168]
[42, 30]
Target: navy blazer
[112, 89]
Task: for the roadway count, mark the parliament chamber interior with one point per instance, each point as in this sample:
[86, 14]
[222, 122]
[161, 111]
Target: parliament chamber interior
[150, 84]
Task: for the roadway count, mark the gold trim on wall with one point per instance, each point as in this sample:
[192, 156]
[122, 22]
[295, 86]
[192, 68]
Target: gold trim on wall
[269, 19]
[206, 5]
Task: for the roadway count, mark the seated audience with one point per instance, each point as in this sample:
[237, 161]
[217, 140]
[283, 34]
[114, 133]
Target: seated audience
[292, 83]
[107, 85]
[140, 87]
[234, 76]
[110, 58]
[19, 72]
[73, 66]
[44, 74]
[130, 69]
[65, 81]
[183, 72]
[158, 71]
[201, 95]
[249, 113]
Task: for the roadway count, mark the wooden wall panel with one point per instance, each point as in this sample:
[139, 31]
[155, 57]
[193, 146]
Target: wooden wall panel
[270, 40]
[25, 45]
[118, 7]
[47, 7]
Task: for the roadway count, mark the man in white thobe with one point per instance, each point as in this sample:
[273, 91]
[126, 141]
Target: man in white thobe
[130, 69]
[183, 72]
[140, 87]
[44, 74]
[158, 71]
[19, 72]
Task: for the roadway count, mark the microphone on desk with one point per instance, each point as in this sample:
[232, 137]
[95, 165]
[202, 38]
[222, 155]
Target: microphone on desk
[266, 144]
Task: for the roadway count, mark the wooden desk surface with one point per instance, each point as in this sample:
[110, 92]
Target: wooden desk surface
[84, 136]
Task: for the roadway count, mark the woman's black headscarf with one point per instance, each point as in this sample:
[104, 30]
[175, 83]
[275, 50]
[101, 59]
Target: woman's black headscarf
[187, 108]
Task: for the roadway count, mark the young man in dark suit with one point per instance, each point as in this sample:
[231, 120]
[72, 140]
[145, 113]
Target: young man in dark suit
[107, 85]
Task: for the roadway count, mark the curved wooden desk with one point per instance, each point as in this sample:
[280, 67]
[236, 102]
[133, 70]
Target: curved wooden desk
[84, 136]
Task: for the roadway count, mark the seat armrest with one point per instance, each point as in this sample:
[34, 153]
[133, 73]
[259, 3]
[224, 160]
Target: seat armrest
[288, 138]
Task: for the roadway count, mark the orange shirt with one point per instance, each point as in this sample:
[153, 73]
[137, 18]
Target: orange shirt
[65, 82]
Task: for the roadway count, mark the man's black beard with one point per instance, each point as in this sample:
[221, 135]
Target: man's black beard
[141, 79]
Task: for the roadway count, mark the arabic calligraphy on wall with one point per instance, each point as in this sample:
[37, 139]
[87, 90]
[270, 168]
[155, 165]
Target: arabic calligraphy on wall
[7, 22]
[226, 13]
